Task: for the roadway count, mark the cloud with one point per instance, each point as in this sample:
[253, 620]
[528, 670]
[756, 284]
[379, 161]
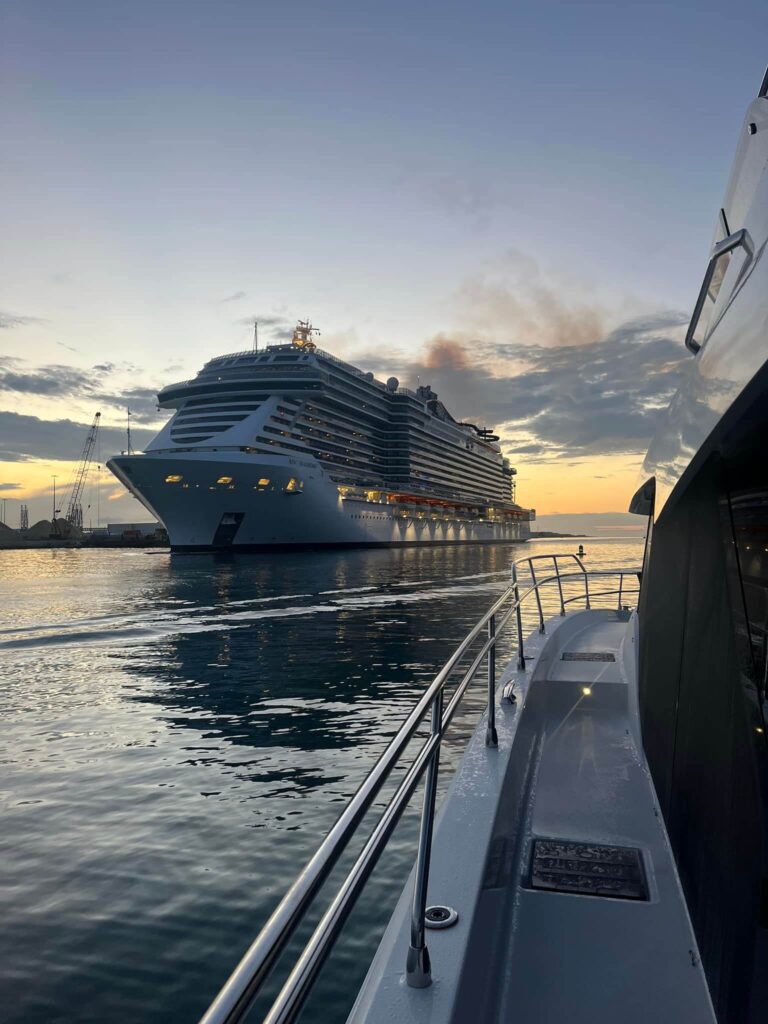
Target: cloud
[558, 372]
[50, 381]
[511, 300]
[276, 328]
[10, 487]
[8, 321]
[528, 449]
[28, 437]
[234, 297]
[556, 403]
[444, 354]
[141, 401]
[59, 381]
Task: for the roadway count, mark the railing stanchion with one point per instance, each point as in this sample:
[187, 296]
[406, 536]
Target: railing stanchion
[418, 969]
[491, 736]
[621, 581]
[586, 580]
[538, 595]
[559, 585]
[518, 620]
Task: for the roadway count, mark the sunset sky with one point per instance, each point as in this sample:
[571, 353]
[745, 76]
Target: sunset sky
[510, 201]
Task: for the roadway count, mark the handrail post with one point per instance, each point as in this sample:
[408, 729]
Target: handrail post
[621, 581]
[559, 585]
[418, 969]
[491, 736]
[518, 620]
[586, 580]
[538, 595]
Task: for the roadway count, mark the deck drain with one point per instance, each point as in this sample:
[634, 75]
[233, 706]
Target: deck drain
[440, 917]
[588, 869]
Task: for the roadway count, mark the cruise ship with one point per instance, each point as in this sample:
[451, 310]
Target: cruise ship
[292, 447]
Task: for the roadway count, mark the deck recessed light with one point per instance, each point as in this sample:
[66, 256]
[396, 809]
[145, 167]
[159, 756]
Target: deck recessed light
[586, 690]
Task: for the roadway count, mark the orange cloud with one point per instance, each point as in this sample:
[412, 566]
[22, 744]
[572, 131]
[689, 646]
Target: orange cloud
[445, 354]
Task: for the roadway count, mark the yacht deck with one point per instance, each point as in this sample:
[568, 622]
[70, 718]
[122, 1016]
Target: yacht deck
[569, 767]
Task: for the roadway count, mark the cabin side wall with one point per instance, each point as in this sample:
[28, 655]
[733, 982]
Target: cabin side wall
[702, 715]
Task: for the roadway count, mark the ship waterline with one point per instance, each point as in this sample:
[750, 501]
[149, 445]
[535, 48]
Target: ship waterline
[239, 502]
[292, 447]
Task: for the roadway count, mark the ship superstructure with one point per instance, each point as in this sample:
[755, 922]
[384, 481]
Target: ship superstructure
[292, 446]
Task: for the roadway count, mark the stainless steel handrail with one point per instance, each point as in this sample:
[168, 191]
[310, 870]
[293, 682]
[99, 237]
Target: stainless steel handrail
[238, 993]
[739, 239]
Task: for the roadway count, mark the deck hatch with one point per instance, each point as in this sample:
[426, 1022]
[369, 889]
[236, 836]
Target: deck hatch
[588, 656]
[588, 869]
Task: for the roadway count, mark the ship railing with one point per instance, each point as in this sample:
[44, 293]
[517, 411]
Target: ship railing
[563, 574]
[303, 368]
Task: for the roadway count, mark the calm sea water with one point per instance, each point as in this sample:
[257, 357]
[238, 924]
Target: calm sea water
[178, 733]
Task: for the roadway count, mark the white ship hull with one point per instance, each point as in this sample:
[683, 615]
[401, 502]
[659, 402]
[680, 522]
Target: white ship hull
[201, 512]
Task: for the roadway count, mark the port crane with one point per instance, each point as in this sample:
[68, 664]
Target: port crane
[74, 513]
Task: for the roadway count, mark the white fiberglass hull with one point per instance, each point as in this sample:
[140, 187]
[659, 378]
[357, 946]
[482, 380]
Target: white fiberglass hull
[221, 501]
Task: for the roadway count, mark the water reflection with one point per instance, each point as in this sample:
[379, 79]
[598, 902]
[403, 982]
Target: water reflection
[178, 735]
[331, 665]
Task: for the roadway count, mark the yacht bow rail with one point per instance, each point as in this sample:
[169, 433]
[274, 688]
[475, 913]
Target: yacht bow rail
[477, 649]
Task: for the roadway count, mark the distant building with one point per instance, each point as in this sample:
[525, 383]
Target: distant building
[133, 529]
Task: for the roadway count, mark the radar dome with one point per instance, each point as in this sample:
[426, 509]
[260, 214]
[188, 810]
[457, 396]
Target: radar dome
[393, 384]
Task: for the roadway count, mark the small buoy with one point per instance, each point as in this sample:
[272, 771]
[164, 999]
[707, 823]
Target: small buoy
[581, 549]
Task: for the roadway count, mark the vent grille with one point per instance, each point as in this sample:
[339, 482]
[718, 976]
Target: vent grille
[588, 869]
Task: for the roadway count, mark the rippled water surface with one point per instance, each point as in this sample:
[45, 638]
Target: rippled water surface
[178, 732]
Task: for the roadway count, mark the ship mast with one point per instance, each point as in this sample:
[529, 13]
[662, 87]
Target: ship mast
[302, 335]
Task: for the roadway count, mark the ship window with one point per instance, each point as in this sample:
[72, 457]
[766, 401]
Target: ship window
[224, 480]
[294, 485]
[264, 482]
[735, 258]
[174, 478]
[712, 292]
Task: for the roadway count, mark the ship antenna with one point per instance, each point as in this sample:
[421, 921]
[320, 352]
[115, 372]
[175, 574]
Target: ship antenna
[127, 409]
[255, 335]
